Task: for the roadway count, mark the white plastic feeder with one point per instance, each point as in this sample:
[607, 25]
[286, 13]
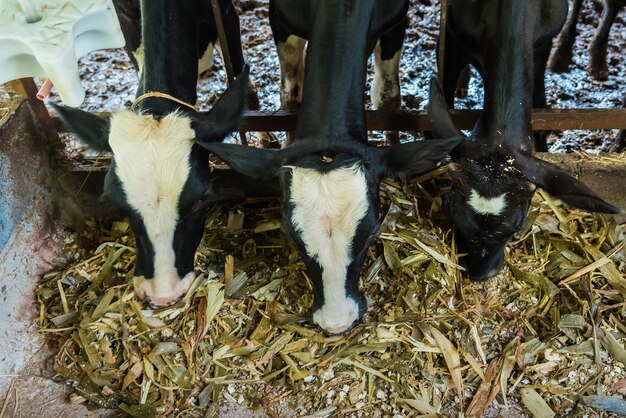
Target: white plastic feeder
[45, 38]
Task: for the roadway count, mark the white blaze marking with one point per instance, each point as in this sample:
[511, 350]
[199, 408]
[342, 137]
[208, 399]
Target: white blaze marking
[487, 205]
[152, 163]
[327, 210]
[386, 88]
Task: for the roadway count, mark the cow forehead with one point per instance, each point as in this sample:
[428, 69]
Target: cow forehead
[152, 163]
[327, 208]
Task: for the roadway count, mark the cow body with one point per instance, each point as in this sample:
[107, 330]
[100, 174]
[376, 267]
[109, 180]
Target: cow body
[597, 67]
[159, 176]
[129, 15]
[494, 172]
[290, 44]
[330, 175]
[551, 15]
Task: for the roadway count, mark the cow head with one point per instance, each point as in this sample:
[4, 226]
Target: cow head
[159, 178]
[330, 194]
[492, 187]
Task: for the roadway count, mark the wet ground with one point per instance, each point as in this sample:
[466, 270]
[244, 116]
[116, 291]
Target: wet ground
[111, 82]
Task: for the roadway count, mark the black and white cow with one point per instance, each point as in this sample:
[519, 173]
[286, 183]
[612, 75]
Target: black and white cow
[159, 175]
[129, 15]
[291, 43]
[562, 56]
[456, 56]
[494, 172]
[330, 175]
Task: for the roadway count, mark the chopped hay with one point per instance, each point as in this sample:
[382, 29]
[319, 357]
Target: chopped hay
[547, 333]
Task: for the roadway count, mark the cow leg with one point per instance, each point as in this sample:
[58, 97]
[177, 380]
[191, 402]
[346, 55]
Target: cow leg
[232, 31]
[386, 86]
[597, 48]
[129, 16]
[462, 84]
[291, 58]
[561, 59]
[454, 63]
[541, 53]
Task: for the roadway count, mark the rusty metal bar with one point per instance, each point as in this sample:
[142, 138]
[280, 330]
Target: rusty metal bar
[379, 120]
[543, 120]
[221, 35]
[443, 21]
[27, 88]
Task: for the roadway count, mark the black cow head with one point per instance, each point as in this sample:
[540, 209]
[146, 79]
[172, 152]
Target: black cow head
[330, 192]
[492, 188]
[159, 177]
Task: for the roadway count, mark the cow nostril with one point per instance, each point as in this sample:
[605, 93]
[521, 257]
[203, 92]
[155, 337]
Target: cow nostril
[337, 332]
[152, 305]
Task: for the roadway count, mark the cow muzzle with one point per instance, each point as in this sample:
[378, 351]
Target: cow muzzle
[339, 317]
[162, 291]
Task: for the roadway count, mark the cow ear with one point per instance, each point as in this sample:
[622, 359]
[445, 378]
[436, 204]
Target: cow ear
[253, 162]
[90, 129]
[414, 157]
[441, 122]
[214, 125]
[560, 184]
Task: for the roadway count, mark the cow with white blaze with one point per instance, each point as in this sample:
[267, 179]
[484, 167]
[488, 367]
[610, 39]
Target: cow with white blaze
[159, 175]
[329, 175]
[494, 172]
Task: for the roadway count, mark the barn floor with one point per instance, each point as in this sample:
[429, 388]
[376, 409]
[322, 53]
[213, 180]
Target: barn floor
[261, 349]
[34, 246]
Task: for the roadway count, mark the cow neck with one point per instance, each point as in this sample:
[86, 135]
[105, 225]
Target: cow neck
[170, 37]
[507, 71]
[335, 70]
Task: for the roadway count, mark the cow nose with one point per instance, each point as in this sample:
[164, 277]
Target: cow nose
[340, 330]
[163, 290]
[484, 276]
[160, 302]
[339, 316]
[487, 268]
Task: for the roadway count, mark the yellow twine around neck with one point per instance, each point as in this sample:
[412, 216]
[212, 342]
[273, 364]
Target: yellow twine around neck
[162, 96]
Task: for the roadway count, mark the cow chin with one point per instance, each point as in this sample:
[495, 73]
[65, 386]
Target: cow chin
[162, 291]
[481, 268]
